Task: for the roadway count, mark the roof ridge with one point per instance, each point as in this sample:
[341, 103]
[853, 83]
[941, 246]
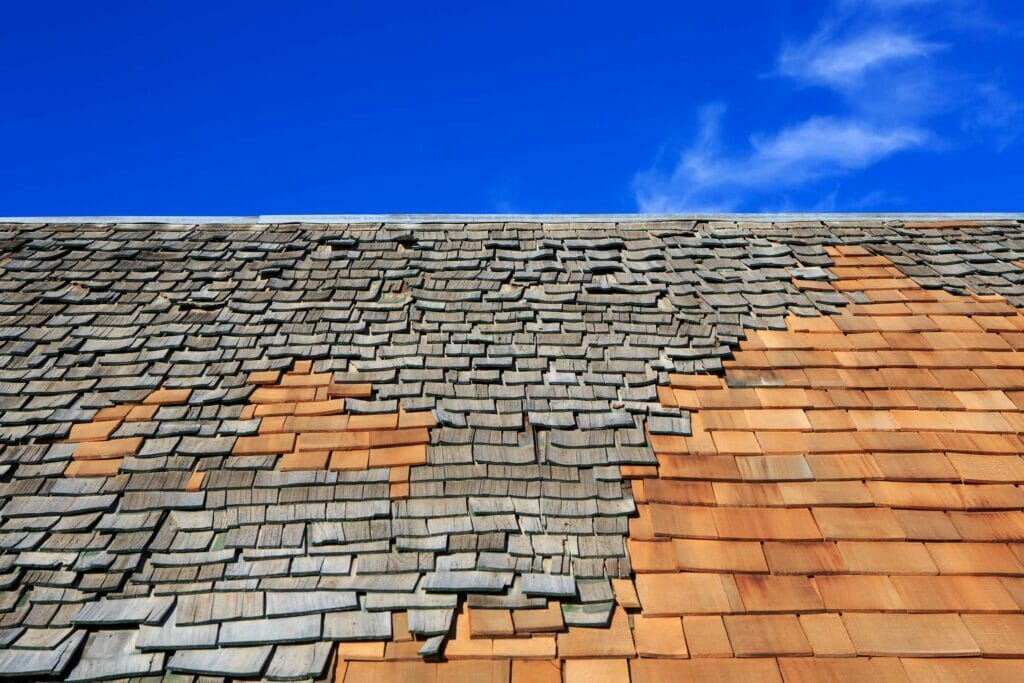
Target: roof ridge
[427, 218]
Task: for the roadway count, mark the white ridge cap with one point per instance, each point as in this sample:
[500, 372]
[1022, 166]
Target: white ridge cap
[516, 218]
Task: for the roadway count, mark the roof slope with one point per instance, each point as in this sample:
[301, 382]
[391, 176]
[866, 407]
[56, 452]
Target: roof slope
[520, 450]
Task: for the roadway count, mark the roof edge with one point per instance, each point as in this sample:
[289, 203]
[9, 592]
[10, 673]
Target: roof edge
[427, 218]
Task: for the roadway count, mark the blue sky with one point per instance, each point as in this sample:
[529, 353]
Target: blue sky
[329, 107]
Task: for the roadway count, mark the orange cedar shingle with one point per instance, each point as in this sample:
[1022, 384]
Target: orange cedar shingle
[706, 636]
[909, 635]
[316, 423]
[399, 437]
[677, 594]
[113, 412]
[695, 381]
[272, 424]
[718, 556]
[814, 325]
[912, 495]
[641, 527]
[913, 466]
[760, 524]
[694, 670]
[847, 441]
[666, 396]
[651, 556]
[843, 466]
[778, 419]
[615, 641]
[264, 444]
[349, 390]
[997, 635]
[373, 422]
[872, 420]
[954, 669]
[764, 593]
[817, 493]
[991, 496]
[142, 413]
[858, 593]
[399, 474]
[548, 619]
[93, 468]
[306, 460]
[736, 443]
[665, 444]
[659, 636]
[168, 397]
[98, 430]
[815, 669]
[783, 443]
[272, 409]
[933, 399]
[783, 398]
[531, 671]
[711, 467]
[349, 460]
[195, 481]
[596, 671]
[804, 558]
[301, 367]
[366, 650]
[766, 635]
[264, 377]
[858, 523]
[687, 399]
[682, 521]
[325, 407]
[679, 492]
[625, 594]
[723, 420]
[318, 441]
[889, 441]
[423, 418]
[743, 494]
[398, 455]
[302, 380]
[975, 558]
[277, 394]
[954, 594]
[774, 468]
[541, 647]
[889, 557]
[490, 622]
[638, 471]
[728, 399]
[926, 525]
[826, 635]
[111, 448]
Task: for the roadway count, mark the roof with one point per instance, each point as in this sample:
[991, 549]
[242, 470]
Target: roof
[520, 449]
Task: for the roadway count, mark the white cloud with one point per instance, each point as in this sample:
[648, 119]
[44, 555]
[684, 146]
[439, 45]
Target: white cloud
[708, 177]
[882, 60]
[842, 64]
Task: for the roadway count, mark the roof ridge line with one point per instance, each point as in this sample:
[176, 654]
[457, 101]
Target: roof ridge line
[427, 218]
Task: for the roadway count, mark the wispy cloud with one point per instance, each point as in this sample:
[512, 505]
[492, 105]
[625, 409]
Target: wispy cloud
[884, 64]
[821, 61]
[710, 177]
